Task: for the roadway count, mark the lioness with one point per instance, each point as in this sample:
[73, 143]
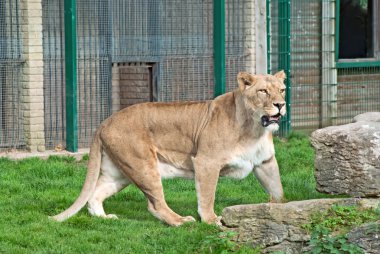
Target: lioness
[228, 136]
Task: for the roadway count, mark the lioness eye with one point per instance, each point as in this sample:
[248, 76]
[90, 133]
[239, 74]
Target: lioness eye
[282, 90]
[263, 91]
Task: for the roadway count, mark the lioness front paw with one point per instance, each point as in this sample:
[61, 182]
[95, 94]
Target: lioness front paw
[218, 221]
[111, 216]
[272, 199]
[188, 219]
[183, 220]
[213, 220]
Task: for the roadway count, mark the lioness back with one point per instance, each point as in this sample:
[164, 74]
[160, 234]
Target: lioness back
[171, 128]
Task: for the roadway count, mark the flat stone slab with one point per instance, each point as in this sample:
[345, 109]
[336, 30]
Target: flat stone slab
[347, 159]
[278, 226]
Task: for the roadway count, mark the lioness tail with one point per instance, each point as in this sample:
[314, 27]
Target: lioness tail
[89, 185]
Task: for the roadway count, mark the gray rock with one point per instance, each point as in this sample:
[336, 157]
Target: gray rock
[347, 159]
[367, 237]
[279, 227]
[368, 117]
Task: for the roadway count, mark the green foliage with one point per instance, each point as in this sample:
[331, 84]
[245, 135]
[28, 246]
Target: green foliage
[220, 243]
[328, 229]
[342, 218]
[323, 242]
[85, 157]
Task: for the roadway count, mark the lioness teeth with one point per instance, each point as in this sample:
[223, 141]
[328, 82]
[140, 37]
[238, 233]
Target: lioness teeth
[275, 118]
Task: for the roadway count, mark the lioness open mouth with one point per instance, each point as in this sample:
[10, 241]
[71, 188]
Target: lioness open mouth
[268, 120]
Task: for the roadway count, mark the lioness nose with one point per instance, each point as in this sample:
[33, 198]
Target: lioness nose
[279, 105]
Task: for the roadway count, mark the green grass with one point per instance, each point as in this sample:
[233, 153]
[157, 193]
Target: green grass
[33, 189]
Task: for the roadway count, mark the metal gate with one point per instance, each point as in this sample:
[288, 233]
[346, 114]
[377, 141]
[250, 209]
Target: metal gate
[321, 90]
[11, 118]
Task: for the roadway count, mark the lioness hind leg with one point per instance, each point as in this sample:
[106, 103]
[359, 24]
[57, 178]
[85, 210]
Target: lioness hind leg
[151, 185]
[158, 207]
[110, 182]
[105, 188]
[140, 164]
[147, 178]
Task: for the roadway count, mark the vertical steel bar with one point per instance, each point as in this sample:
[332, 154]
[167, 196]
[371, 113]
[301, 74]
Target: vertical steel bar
[219, 48]
[71, 76]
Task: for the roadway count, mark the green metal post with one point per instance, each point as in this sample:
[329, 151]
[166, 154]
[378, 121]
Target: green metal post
[219, 48]
[269, 37]
[284, 13]
[71, 76]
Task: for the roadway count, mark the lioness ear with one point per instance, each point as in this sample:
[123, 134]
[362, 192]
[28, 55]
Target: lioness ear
[280, 75]
[245, 80]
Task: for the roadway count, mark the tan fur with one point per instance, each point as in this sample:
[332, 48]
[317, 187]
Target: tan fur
[203, 140]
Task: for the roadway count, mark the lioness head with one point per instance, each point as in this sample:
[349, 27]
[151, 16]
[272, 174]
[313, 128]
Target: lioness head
[264, 96]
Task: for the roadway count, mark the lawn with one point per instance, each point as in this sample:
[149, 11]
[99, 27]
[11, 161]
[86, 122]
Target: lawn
[33, 189]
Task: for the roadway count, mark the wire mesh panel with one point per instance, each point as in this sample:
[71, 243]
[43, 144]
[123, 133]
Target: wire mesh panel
[358, 91]
[11, 118]
[240, 40]
[176, 35]
[304, 54]
[94, 69]
[54, 73]
[94, 66]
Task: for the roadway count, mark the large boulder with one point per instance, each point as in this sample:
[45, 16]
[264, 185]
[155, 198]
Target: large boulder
[279, 227]
[347, 157]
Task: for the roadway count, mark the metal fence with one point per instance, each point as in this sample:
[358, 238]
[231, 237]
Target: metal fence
[301, 40]
[240, 39]
[11, 118]
[141, 50]
[117, 39]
